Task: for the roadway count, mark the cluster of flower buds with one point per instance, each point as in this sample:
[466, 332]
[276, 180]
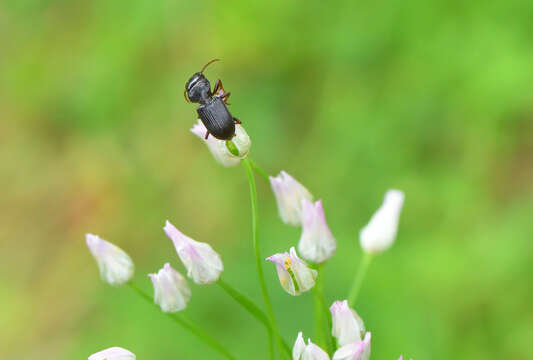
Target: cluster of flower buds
[296, 207]
[171, 291]
[317, 244]
[348, 330]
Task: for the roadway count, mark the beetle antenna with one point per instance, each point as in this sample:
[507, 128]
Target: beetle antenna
[186, 97]
[209, 63]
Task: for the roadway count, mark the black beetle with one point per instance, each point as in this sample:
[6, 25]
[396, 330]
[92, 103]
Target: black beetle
[213, 110]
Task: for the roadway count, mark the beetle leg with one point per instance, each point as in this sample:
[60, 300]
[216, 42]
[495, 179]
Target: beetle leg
[206, 134]
[218, 86]
[225, 97]
[237, 121]
[219, 91]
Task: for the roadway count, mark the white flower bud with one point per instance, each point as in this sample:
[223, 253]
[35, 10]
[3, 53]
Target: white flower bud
[317, 244]
[379, 234]
[289, 195]
[300, 351]
[293, 273]
[347, 326]
[359, 350]
[171, 290]
[114, 353]
[115, 266]
[202, 262]
[226, 153]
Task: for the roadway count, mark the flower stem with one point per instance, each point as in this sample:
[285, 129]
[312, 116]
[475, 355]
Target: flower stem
[259, 263]
[359, 276]
[251, 307]
[322, 320]
[258, 170]
[187, 324]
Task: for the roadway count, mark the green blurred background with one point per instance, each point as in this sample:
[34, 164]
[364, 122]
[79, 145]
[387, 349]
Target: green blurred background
[351, 98]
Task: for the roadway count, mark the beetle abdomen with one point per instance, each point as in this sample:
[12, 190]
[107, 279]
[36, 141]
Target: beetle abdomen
[217, 119]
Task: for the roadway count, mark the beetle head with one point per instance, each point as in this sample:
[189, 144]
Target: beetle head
[197, 88]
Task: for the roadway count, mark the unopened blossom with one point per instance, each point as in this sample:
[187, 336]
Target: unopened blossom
[202, 262]
[347, 326]
[171, 290]
[116, 267]
[300, 351]
[358, 350]
[114, 353]
[293, 273]
[379, 234]
[317, 243]
[289, 195]
[226, 153]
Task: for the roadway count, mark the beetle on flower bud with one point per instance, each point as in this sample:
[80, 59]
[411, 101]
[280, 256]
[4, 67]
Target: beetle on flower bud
[116, 267]
[212, 110]
[171, 291]
[293, 273]
[114, 353]
[202, 262]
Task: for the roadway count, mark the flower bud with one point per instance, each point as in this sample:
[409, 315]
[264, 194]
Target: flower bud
[317, 244]
[359, 350]
[227, 153]
[116, 267]
[171, 290]
[379, 234]
[300, 351]
[289, 195]
[202, 262]
[114, 353]
[347, 326]
[293, 273]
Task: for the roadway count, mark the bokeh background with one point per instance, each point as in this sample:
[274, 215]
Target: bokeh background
[351, 98]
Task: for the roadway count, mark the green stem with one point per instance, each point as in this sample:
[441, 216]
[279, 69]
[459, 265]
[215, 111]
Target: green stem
[258, 170]
[251, 307]
[259, 263]
[245, 302]
[359, 276]
[187, 324]
[322, 318]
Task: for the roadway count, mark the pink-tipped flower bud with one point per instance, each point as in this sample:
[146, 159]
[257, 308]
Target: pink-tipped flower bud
[171, 291]
[317, 244]
[202, 262]
[379, 234]
[227, 153]
[359, 350]
[116, 267]
[293, 273]
[114, 353]
[289, 195]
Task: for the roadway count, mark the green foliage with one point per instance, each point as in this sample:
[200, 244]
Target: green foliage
[351, 98]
